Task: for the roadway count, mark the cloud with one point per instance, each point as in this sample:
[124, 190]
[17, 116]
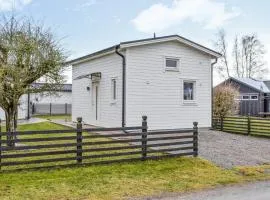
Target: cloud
[8, 5]
[209, 13]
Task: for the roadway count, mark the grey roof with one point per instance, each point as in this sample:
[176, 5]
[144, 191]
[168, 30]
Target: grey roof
[135, 41]
[63, 87]
[267, 83]
[253, 83]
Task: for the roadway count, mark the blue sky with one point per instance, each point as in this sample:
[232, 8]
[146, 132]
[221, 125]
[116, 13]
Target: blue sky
[90, 25]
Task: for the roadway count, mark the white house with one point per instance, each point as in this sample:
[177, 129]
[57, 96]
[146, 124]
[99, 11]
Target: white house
[61, 97]
[168, 78]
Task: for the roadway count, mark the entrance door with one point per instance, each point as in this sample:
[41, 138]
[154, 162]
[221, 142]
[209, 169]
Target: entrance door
[95, 101]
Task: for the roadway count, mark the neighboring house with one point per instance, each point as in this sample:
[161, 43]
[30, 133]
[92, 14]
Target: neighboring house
[169, 79]
[41, 102]
[254, 95]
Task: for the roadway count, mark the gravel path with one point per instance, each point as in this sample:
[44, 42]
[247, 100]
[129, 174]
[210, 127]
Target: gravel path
[229, 150]
[253, 191]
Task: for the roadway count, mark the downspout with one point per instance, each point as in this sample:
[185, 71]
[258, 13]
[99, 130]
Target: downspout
[212, 95]
[123, 85]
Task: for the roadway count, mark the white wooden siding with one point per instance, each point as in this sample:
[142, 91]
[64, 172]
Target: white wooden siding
[22, 109]
[59, 98]
[110, 67]
[157, 93]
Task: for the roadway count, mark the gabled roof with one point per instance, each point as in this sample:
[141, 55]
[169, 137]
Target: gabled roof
[132, 43]
[253, 83]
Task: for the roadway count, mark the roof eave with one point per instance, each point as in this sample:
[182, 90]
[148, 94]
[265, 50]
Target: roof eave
[128, 44]
[171, 38]
[92, 56]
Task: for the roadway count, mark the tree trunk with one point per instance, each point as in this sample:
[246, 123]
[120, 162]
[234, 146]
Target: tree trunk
[11, 126]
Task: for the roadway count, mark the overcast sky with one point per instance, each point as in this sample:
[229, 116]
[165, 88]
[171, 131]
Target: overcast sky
[90, 25]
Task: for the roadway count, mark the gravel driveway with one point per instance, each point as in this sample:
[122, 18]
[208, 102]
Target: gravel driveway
[229, 150]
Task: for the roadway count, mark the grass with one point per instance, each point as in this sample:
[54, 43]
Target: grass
[120, 181]
[117, 181]
[52, 117]
[52, 126]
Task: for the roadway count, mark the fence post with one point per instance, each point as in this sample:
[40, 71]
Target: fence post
[79, 140]
[248, 124]
[221, 123]
[195, 138]
[144, 137]
[66, 108]
[215, 124]
[33, 108]
[50, 108]
[0, 144]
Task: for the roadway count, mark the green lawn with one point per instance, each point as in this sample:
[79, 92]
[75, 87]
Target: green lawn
[52, 117]
[120, 181]
[52, 126]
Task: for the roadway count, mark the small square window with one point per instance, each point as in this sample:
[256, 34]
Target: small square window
[171, 64]
[189, 91]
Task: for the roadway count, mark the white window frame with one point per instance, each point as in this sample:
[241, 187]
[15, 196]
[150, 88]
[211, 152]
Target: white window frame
[114, 100]
[246, 95]
[194, 100]
[238, 98]
[175, 69]
[254, 99]
[249, 97]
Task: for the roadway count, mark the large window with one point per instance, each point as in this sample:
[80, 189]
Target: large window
[247, 97]
[189, 90]
[114, 89]
[172, 64]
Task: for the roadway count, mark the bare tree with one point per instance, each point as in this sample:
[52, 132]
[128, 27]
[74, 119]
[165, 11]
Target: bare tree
[236, 58]
[222, 47]
[253, 52]
[247, 56]
[28, 52]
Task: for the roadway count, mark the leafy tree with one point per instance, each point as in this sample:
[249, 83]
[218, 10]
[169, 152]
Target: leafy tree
[28, 52]
[224, 102]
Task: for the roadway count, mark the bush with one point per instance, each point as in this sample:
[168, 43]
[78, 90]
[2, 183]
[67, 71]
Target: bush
[224, 100]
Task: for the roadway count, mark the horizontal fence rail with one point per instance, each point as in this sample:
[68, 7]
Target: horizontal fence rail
[244, 125]
[51, 109]
[75, 147]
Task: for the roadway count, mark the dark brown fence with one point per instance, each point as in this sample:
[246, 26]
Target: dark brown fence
[51, 109]
[74, 147]
[244, 125]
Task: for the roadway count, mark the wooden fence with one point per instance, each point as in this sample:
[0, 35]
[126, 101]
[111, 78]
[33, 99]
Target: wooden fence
[244, 125]
[74, 147]
[51, 109]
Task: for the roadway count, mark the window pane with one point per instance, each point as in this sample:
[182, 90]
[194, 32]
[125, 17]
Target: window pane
[171, 63]
[188, 91]
[255, 97]
[246, 97]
